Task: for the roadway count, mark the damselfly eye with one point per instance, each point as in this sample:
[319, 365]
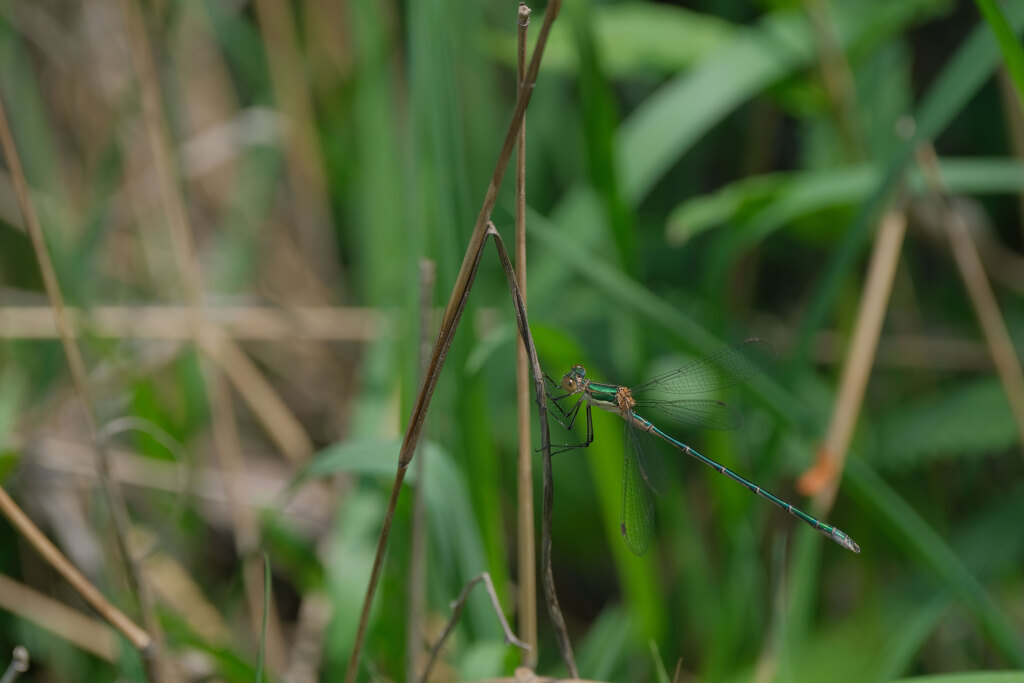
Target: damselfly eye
[579, 371]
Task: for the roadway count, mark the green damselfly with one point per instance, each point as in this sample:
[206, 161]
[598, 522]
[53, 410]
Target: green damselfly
[643, 471]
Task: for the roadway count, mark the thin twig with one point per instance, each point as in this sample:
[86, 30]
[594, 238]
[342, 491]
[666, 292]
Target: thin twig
[986, 307]
[554, 611]
[417, 553]
[457, 606]
[449, 323]
[526, 545]
[142, 640]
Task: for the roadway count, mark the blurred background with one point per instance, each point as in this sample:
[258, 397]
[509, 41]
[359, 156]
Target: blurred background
[237, 197]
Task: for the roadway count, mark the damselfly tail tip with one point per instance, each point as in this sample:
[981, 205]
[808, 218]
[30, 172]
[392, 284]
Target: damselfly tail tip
[850, 544]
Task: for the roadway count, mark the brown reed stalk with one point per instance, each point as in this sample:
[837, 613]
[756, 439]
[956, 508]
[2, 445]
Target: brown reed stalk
[525, 541]
[449, 323]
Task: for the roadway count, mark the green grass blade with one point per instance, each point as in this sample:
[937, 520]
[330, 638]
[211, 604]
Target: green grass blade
[907, 527]
[599, 130]
[766, 203]
[667, 124]
[970, 677]
[1009, 43]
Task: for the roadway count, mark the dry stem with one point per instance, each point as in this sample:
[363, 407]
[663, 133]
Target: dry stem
[449, 324]
[526, 543]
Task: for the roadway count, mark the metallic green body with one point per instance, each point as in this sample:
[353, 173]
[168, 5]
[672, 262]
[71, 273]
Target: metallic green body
[643, 473]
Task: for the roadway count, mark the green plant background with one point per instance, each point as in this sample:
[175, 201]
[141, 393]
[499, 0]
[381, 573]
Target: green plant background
[690, 183]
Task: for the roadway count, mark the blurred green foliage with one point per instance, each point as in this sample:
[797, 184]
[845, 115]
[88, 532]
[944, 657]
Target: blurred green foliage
[691, 181]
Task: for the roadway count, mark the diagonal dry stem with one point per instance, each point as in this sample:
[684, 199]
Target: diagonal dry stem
[449, 324]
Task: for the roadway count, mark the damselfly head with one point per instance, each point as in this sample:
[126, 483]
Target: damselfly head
[573, 380]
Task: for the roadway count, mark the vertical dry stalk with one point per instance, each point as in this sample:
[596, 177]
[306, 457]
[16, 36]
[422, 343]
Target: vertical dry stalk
[226, 448]
[972, 271]
[418, 560]
[526, 544]
[449, 324]
[823, 480]
[139, 638]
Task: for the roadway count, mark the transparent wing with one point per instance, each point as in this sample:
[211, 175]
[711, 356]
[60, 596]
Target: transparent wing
[699, 413]
[724, 368]
[637, 521]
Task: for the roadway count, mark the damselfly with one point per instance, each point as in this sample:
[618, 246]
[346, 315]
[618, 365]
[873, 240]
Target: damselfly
[643, 471]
